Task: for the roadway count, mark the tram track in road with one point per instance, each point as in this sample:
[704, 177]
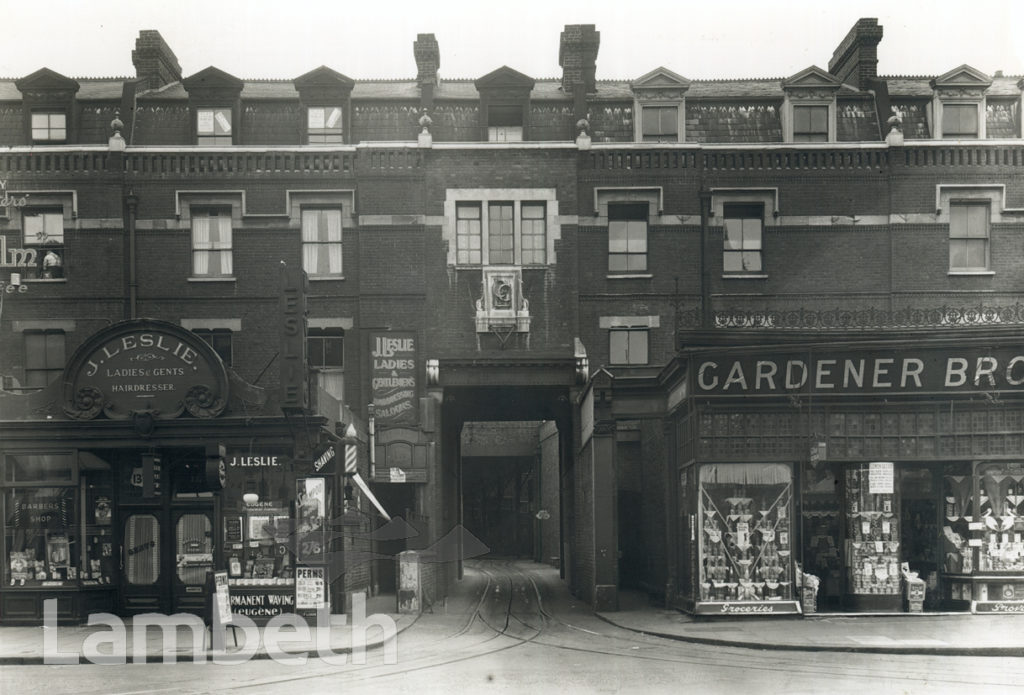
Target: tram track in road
[512, 610]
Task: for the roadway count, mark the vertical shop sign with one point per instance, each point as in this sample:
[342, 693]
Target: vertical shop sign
[880, 478]
[393, 378]
[311, 508]
[294, 392]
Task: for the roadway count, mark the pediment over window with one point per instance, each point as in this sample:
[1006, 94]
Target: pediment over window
[660, 79]
[211, 82]
[323, 82]
[963, 76]
[812, 82]
[46, 80]
[504, 78]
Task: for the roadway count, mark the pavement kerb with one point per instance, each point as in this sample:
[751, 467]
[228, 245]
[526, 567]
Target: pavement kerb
[38, 659]
[791, 647]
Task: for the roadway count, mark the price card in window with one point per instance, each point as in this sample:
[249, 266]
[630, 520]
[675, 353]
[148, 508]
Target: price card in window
[204, 121]
[886, 527]
[880, 478]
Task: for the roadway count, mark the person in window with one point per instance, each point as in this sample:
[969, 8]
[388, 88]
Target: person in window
[52, 265]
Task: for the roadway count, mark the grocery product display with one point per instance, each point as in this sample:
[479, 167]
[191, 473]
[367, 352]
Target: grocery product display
[746, 540]
[872, 532]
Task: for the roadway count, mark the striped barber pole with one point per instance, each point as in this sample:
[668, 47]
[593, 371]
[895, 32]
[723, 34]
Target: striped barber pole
[351, 459]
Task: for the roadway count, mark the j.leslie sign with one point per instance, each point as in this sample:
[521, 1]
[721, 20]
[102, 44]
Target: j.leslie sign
[908, 371]
[393, 378]
[145, 366]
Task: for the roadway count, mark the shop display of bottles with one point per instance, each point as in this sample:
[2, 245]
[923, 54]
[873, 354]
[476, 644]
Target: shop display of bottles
[746, 550]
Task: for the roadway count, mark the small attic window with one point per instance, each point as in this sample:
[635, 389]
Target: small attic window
[660, 123]
[49, 126]
[960, 120]
[324, 124]
[810, 123]
[213, 127]
[505, 123]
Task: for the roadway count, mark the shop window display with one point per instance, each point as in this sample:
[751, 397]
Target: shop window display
[745, 541]
[872, 537]
[1001, 488]
[259, 529]
[41, 539]
[97, 539]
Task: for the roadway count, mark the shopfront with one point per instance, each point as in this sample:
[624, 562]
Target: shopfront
[852, 472]
[124, 484]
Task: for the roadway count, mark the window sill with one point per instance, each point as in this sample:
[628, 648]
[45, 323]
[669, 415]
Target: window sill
[326, 277]
[745, 276]
[971, 272]
[43, 280]
[224, 278]
[630, 276]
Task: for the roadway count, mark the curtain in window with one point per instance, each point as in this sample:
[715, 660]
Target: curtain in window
[222, 242]
[200, 245]
[211, 244]
[142, 549]
[321, 242]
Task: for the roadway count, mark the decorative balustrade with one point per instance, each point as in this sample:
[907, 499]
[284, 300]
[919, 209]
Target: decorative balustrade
[240, 163]
[406, 157]
[961, 155]
[85, 161]
[866, 319]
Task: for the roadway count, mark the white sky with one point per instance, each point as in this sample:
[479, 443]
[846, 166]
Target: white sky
[373, 39]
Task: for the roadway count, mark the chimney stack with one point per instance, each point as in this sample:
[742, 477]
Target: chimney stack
[855, 61]
[155, 62]
[577, 54]
[428, 62]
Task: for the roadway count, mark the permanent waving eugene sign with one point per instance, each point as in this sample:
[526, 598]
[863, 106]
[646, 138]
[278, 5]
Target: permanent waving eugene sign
[145, 366]
[914, 370]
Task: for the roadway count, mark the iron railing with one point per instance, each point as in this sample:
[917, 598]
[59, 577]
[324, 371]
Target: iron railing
[847, 319]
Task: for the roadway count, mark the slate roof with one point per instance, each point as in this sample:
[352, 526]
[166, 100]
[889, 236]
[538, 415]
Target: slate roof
[544, 89]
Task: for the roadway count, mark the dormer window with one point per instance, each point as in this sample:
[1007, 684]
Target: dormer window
[659, 105]
[214, 97]
[325, 95]
[213, 127]
[324, 124]
[958, 104]
[48, 108]
[504, 105]
[809, 106]
[49, 126]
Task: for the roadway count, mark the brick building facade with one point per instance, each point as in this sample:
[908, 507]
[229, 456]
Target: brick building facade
[622, 262]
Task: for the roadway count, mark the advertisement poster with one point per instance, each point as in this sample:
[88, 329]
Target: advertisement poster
[880, 478]
[393, 378]
[310, 588]
[311, 507]
[222, 597]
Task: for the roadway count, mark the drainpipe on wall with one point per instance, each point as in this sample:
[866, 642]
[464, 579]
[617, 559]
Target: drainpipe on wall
[705, 299]
[131, 204]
